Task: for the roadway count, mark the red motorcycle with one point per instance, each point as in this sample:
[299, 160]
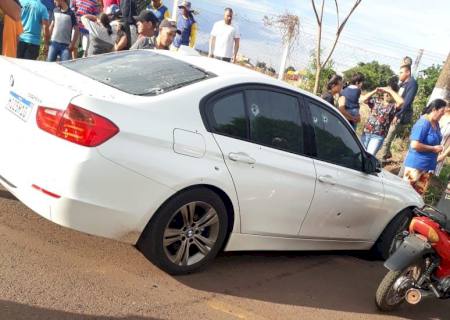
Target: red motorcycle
[420, 267]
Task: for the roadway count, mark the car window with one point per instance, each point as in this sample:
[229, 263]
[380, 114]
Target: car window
[275, 120]
[139, 72]
[227, 116]
[334, 142]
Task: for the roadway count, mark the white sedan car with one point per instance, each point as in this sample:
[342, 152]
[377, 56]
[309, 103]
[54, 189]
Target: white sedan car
[185, 156]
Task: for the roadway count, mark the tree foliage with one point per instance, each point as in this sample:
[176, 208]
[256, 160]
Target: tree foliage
[376, 74]
[426, 80]
[310, 75]
[290, 68]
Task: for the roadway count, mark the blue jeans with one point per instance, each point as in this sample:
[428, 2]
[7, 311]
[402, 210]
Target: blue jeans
[353, 112]
[58, 49]
[372, 142]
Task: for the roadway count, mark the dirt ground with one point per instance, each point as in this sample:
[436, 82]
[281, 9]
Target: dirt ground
[49, 272]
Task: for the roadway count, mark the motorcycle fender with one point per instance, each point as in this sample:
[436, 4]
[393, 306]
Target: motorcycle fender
[412, 249]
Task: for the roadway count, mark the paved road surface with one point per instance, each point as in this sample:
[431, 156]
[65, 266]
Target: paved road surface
[48, 272]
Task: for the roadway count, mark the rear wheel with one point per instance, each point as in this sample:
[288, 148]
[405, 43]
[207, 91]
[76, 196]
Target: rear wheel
[392, 289]
[391, 237]
[187, 232]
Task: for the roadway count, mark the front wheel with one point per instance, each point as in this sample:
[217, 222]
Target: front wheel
[392, 289]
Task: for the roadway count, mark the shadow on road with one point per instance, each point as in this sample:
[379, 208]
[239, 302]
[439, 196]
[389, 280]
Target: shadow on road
[17, 311]
[340, 282]
[6, 195]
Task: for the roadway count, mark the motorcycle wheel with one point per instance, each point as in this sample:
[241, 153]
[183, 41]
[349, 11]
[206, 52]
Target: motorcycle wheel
[392, 289]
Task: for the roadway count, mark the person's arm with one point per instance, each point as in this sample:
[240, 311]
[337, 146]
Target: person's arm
[11, 9]
[89, 17]
[344, 111]
[408, 100]
[365, 98]
[46, 34]
[121, 44]
[397, 98]
[212, 44]
[193, 35]
[76, 35]
[236, 48]
[420, 147]
[52, 26]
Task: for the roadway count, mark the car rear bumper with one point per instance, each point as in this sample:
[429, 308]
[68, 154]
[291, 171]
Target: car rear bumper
[91, 195]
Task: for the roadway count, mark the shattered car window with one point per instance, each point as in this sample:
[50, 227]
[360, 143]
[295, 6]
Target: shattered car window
[139, 72]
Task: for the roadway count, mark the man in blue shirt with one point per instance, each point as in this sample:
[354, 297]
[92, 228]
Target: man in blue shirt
[34, 17]
[408, 91]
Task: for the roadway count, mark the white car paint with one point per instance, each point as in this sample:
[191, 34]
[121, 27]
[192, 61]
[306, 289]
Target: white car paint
[163, 147]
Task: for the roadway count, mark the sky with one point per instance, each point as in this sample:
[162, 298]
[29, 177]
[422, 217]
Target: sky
[382, 30]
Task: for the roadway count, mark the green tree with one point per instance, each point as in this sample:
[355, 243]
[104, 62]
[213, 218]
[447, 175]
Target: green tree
[310, 76]
[426, 80]
[376, 74]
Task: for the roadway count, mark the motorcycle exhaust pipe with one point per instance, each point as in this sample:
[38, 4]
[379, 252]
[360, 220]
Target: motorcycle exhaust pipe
[414, 296]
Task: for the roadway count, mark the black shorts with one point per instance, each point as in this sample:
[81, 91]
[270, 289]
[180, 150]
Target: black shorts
[27, 51]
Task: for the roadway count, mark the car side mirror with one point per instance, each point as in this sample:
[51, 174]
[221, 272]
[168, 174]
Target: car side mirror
[371, 164]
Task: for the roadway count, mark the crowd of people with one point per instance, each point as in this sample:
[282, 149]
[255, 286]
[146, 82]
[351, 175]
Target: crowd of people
[69, 29]
[391, 110]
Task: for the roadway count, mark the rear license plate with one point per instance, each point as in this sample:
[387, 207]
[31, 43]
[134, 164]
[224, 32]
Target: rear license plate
[19, 106]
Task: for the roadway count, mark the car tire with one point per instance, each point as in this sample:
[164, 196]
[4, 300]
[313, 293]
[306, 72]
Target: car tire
[193, 222]
[387, 242]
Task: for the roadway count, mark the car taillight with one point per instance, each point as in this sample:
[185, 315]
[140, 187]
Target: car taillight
[76, 125]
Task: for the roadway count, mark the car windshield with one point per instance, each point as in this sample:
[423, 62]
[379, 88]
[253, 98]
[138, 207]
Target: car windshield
[139, 72]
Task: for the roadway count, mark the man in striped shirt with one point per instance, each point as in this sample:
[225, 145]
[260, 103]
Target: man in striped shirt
[81, 8]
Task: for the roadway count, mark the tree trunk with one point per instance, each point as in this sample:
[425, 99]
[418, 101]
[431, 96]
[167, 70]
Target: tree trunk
[442, 88]
[317, 80]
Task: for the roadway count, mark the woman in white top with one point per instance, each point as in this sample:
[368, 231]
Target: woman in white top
[100, 34]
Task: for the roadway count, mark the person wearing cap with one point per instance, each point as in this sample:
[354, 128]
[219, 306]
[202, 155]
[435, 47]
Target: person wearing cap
[225, 38]
[146, 23]
[160, 11]
[187, 26]
[167, 32]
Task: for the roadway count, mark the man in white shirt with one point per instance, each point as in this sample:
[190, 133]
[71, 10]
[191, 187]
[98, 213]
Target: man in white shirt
[224, 41]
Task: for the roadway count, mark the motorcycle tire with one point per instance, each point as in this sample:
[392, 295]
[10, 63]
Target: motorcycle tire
[381, 297]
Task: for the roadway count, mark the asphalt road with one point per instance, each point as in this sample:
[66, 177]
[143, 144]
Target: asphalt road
[49, 272]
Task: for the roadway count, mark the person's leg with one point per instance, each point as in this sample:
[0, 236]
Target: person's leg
[31, 51]
[385, 152]
[374, 144]
[52, 52]
[365, 140]
[85, 44]
[21, 47]
[65, 52]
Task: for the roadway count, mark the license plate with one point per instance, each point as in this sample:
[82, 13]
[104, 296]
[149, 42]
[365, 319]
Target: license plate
[19, 106]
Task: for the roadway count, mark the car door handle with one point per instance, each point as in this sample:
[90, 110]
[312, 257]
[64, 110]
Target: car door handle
[241, 157]
[327, 179]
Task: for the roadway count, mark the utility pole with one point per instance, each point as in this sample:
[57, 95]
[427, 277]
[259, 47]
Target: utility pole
[284, 59]
[417, 62]
[442, 88]
[175, 10]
